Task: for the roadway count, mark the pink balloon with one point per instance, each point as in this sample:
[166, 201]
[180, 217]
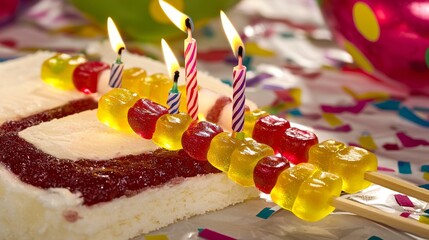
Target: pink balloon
[396, 43]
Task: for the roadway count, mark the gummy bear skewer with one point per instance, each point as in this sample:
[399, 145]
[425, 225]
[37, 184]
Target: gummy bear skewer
[358, 168]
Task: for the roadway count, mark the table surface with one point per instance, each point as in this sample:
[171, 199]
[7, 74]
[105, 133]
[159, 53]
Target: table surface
[294, 71]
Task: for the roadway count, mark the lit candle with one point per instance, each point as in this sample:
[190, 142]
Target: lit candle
[173, 67]
[184, 23]
[239, 74]
[118, 46]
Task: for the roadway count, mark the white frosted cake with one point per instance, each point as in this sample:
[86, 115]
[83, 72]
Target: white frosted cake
[69, 178]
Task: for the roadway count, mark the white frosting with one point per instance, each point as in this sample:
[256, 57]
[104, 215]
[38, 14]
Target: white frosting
[82, 136]
[22, 91]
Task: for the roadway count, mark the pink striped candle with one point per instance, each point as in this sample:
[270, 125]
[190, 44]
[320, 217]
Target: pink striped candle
[184, 23]
[191, 77]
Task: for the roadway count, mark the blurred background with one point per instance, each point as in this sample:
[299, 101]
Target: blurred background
[352, 70]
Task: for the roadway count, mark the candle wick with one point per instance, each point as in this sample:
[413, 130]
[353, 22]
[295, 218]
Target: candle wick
[190, 26]
[240, 61]
[120, 51]
[189, 34]
[175, 79]
[176, 76]
[119, 58]
[240, 56]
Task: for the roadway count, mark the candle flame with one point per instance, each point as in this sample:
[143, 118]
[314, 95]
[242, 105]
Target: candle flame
[170, 59]
[178, 18]
[114, 36]
[232, 35]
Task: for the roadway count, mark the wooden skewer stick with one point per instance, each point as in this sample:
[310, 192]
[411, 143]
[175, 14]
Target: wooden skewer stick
[395, 221]
[398, 185]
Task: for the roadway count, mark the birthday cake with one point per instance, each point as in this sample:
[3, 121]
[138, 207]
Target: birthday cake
[65, 175]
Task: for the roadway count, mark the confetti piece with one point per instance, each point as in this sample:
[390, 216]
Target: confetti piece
[408, 141]
[268, 212]
[272, 87]
[7, 59]
[403, 200]
[409, 115]
[287, 35]
[332, 119]
[227, 82]
[208, 31]
[214, 55]
[404, 167]
[340, 109]
[427, 211]
[250, 82]
[424, 219]
[391, 146]
[344, 128]
[156, 237]
[385, 169]
[425, 186]
[426, 176]
[295, 112]
[354, 144]
[212, 235]
[253, 49]
[10, 43]
[375, 238]
[367, 95]
[424, 168]
[391, 105]
[367, 142]
[405, 214]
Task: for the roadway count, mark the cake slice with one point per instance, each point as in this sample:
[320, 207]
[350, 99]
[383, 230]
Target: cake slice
[75, 178]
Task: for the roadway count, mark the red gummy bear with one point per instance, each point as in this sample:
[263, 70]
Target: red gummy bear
[143, 115]
[197, 138]
[85, 76]
[267, 170]
[269, 130]
[295, 143]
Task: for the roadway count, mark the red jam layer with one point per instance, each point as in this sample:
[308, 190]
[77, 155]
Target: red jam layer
[70, 108]
[97, 181]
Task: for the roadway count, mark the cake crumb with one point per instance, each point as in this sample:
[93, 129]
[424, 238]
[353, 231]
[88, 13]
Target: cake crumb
[71, 216]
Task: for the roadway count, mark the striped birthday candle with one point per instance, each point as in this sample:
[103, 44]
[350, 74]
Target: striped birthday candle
[238, 97]
[115, 80]
[191, 77]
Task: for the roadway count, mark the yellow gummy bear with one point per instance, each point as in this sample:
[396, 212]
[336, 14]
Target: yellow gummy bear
[169, 130]
[289, 182]
[133, 79]
[250, 119]
[57, 71]
[351, 163]
[113, 108]
[313, 201]
[323, 153]
[156, 88]
[244, 159]
[220, 150]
